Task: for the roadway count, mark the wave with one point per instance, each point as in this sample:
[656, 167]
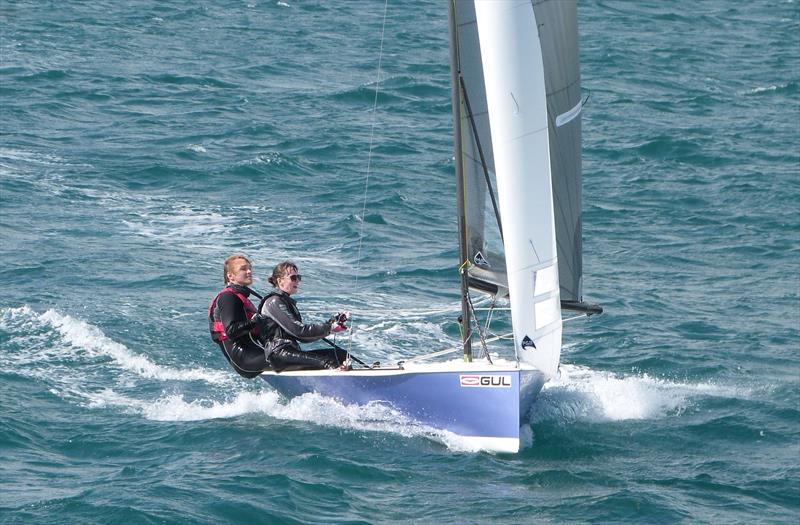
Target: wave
[55, 339]
[584, 394]
[71, 354]
[788, 88]
[581, 394]
[308, 408]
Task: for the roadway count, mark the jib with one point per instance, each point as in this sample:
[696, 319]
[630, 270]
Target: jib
[495, 381]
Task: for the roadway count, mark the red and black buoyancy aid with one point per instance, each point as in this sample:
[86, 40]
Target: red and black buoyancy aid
[215, 325]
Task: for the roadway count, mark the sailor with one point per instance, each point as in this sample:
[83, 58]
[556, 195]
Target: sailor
[286, 329]
[234, 321]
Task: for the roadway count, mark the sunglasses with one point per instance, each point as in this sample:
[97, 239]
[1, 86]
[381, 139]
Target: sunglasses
[295, 278]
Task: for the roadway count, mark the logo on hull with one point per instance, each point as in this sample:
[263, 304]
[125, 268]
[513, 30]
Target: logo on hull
[478, 381]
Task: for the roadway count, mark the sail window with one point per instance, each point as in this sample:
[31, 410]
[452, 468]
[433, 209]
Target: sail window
[546, 280]
[546, 312]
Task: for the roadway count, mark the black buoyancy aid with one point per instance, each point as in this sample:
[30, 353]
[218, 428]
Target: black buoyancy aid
[272, 329]
[215, 325]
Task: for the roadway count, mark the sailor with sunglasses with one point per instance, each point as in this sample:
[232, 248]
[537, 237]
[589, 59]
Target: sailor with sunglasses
[285, 329]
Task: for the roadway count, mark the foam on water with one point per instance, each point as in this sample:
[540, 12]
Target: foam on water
[183, 223]
[65, 338]
[765, 89]
[60, 337]
[583, 394]
[29, 158]
[175, 407]
[579, 394]
[310, 408]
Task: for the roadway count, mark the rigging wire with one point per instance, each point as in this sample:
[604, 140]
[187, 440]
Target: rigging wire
[454, 349]
[480, 331]
[369, 161]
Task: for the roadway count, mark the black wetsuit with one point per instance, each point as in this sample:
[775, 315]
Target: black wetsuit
[247, 357]
[286, 330]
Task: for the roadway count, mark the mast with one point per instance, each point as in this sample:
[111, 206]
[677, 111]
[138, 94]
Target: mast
[466, 325]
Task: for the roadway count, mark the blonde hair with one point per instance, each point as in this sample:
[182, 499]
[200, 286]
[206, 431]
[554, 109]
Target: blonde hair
[228, 267]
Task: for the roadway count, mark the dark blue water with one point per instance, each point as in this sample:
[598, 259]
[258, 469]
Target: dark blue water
[143, 142]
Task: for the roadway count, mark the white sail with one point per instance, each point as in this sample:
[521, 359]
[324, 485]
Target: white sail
[517, 107]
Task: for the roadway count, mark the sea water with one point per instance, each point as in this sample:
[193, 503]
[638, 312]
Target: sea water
[144, 141]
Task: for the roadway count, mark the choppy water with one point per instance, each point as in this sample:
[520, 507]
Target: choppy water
[142, 142]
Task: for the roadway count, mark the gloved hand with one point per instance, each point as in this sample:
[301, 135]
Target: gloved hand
[338, 322]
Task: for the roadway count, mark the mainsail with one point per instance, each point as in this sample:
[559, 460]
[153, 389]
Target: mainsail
[557, 32]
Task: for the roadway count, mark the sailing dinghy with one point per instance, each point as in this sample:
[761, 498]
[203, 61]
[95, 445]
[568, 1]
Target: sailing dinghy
[516, 113]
